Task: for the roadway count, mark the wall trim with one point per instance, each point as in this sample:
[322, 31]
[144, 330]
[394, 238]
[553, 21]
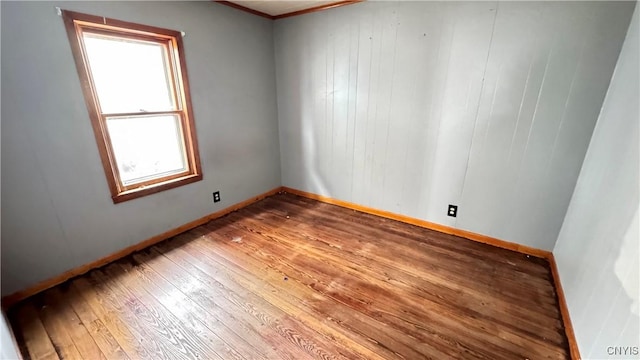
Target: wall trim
[425, 224]
[9, 300]
[245, 9]
[12, 299]
[317, 8]
[564, 310]
[289, 14]
[547, 255]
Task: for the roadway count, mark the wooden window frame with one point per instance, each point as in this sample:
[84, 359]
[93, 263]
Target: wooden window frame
[76, 24]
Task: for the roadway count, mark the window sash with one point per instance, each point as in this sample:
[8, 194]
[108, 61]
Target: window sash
[141, 184]
[170, 52]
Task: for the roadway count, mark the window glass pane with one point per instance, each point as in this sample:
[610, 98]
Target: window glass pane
[129, 75]
[146, 147]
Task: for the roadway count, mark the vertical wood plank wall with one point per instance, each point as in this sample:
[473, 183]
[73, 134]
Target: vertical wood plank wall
[597, 252]
[410, 106]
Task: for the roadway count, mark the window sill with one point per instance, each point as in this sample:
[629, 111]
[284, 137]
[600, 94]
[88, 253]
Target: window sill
[155, 188]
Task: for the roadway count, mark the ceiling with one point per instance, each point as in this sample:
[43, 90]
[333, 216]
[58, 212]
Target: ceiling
[275, 8]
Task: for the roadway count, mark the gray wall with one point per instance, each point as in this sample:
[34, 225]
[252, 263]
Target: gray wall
[56, 209]
[384, 104]
[597, 250]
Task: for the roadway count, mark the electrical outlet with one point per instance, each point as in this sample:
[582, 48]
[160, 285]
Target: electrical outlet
[216, 196]
[453, 210]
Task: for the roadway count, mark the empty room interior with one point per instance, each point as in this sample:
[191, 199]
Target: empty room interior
[320, 180]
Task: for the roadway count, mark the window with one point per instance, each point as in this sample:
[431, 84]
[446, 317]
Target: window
[135, 85]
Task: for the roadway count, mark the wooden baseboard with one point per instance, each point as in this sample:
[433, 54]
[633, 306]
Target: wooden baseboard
[14, 298]
[548, 255]
[425, 224]
[564, 310]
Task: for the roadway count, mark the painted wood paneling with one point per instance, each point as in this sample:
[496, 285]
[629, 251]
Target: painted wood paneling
[411, 106]
[597, 250]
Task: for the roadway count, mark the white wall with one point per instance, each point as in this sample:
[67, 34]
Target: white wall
[7, 347]
[56, 209]
[384, 104]
[597, 250]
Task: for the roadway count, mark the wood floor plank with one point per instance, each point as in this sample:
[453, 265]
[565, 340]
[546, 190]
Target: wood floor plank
[120, 320]
[99, 332]
[68, 320]
[224, 342]
[187, 311]
[293, 278]
[523, 312]
[355, 301]
[344, 318]
[480, 305]
[401, 234]
[333, 277]
[209, 266]
[58, 329]
[296, 334]
[372, 251]
[235, 312]
[178, 341]
[32, 332]
[188, 334]
[114, 324]
[433, 240]
[405, 244]
[524, 304]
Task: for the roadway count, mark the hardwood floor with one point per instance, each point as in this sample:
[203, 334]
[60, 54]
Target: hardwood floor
[293, 278]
